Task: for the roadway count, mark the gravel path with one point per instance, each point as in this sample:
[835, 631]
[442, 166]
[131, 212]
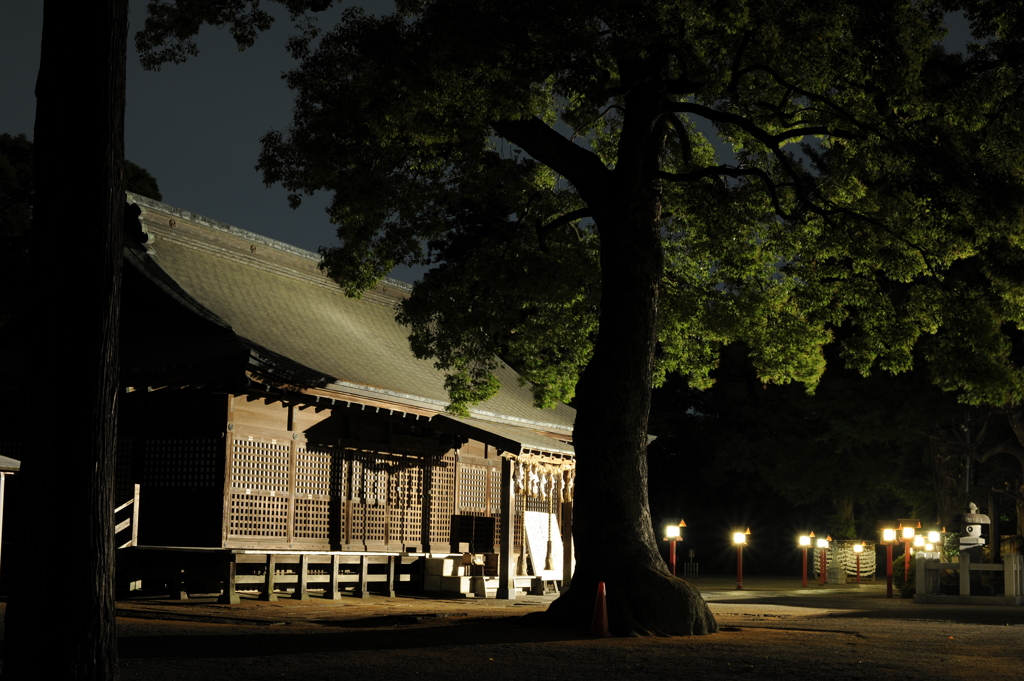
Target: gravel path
[772, 629]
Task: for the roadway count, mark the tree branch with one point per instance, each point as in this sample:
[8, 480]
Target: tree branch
[544, 230]
[813, 96]
[581, 167]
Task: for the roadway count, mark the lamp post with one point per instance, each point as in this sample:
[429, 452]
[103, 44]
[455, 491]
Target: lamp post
[908, 528]
[888, 539]
[858, 549]
[739, 539]
[673, 533]
[822, 566]
[935, 539]
[805, 543]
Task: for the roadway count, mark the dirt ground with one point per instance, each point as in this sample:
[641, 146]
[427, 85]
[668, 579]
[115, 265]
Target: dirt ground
[772, 629]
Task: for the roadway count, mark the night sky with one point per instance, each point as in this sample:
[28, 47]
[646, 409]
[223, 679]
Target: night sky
[196, 127]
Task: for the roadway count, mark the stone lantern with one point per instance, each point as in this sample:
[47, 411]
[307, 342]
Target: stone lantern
[970, 536]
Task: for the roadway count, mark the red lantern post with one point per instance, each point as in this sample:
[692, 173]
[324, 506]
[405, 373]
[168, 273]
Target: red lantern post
[805, 542]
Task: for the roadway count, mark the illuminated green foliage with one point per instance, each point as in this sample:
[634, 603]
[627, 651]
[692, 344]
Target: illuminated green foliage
[814, 165]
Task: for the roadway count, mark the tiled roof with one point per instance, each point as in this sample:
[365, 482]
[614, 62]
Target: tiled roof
[273, 297]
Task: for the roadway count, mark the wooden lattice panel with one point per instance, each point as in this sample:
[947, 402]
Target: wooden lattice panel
[442, 498]
[405, 521]
[312, 472]
[312, 519]
[123, 482]
[357, 525]
[376, 524]
[375, 480]
[339, 488]
[258, 464]
[181, 462]
[256, 515]
[355, 480]
[495, 503]
[11, 449]
[473, 488]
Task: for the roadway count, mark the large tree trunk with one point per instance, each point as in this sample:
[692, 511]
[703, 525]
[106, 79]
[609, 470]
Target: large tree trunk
[1015, 417]
[612, 527]
[64, 627]
[947, 480]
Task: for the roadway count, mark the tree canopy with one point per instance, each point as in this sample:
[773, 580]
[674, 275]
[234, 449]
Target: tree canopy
[610, 192]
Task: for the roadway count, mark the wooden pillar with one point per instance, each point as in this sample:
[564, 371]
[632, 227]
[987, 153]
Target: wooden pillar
[3, 479]
[506, 534]
[269, 579]
[229, 596]
[389, 590]
[364, 565]
[333, 592]
[178, 592]
[302, 586]
[965, 573]
[567, 547]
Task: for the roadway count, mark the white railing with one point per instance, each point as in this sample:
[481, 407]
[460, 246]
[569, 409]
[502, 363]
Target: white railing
[130, 522]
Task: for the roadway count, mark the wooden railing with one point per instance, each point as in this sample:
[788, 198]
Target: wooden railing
[131, 509]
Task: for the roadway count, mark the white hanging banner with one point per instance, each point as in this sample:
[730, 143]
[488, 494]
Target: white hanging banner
[539, 528]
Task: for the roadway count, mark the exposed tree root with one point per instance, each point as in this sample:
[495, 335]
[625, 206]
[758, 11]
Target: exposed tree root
[641, 602]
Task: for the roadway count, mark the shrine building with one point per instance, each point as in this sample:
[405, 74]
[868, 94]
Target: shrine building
[279, 437]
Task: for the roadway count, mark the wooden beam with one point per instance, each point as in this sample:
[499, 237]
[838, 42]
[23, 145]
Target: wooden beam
[363, 591]
[333, 592]
[230, 595]
[390, 588]
[302, 588]
[270, 579]
[506, 569]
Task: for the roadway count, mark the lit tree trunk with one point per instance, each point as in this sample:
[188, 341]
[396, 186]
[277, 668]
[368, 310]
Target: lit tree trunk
[68, 632]
[612, 527]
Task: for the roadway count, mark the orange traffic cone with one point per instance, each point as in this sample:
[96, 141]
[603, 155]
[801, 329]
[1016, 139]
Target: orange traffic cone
[599, 627]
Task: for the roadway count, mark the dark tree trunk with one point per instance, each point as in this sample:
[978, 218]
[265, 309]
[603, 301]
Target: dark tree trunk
[612, 526]
[65, 628]
[1015, 417]
[947, 480]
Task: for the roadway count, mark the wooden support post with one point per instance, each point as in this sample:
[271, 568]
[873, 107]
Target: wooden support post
[333, 592]
[567, 547]
[3, 480]
[230, 596]
[392, 576]
[364, 565]
[506, 568]
[965, 573]
[178, 592]
[302, 585]
[269, 579]
[1013, 579]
